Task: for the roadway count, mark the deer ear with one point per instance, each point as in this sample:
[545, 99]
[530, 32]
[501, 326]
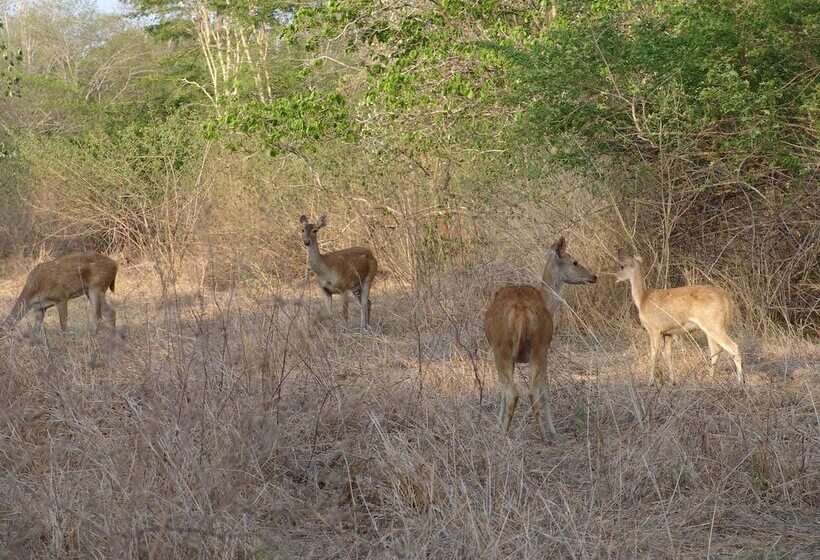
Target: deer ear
[559, 246]
[638, 258]
[303, 219]
[322, 222]
[623, 258]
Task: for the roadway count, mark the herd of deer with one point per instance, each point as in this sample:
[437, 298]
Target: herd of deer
[518, 323]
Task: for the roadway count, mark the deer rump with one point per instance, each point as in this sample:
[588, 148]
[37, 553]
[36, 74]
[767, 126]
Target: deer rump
[518, 323]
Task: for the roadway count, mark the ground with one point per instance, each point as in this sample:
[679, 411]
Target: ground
[231, 424]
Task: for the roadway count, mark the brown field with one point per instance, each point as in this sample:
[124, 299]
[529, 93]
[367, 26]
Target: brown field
[228, 424]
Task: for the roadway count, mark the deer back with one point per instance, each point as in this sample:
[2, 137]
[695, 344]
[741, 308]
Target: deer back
[681, 308]
[70, 276]
[351, 267]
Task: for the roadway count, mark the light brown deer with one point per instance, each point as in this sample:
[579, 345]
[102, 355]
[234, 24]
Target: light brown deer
[53, 283]
[519, 327]
[340, 272]
[664, 313]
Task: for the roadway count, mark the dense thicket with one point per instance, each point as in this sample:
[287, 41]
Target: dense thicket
[200, 127]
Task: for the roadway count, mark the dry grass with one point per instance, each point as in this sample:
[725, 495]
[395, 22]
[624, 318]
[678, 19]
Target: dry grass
[230, 425]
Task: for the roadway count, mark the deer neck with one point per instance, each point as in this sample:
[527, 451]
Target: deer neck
[317, 263]
[638, 287]
[16, 314]
[551, 285]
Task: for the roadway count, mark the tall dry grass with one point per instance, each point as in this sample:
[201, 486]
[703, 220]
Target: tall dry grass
[227, 423]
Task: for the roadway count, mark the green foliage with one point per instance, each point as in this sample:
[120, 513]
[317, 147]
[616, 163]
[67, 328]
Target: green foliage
[9, 78]
[291, 123]
[9, 82]
[426, 65]
[127, 188]
[723, 78]
[173, 20]
[152, 149]
[438, 245]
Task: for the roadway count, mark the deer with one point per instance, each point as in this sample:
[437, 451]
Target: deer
[54, 283]
[339, 272]
[664, 313]
[519, 327]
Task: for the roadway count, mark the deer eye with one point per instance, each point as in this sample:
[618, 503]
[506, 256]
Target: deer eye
[575, 263]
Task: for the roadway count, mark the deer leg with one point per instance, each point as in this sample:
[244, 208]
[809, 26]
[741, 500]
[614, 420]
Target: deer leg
[96, 309]
[509, 396]
[539, 392]
[510, 401]
[109, 313]
[328, 303]
[729, 345]
[716, 334]
[667, 351]
[714, 354]
[344, 306]
[103, 309]
[364, 302]
[39, 315]
[654, 342]
[741, 378]
[62, 311]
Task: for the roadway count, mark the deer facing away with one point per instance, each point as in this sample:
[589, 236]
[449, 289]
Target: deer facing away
[664, 313]
[519, 327]
[340, 272]
[53, 283]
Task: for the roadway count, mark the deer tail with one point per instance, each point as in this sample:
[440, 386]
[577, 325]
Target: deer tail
[521, 324]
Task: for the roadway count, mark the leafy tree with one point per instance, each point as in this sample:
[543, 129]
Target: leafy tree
[289, 124]
[426, 66]
[727, 81]
[236, 41]
[9, 78]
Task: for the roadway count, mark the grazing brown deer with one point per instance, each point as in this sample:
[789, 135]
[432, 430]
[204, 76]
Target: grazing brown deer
[340, 272]
[519, 327]
[680, 310]
[53, 283]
